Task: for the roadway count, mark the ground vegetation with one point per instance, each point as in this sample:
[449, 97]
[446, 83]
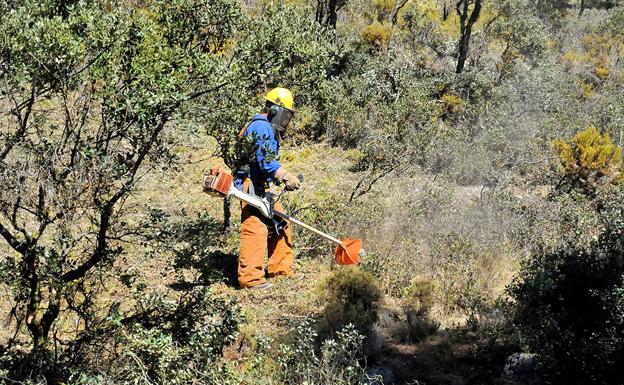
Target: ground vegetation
[475, 147]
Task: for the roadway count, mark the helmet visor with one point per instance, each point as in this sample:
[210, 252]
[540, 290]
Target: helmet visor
[282, 118]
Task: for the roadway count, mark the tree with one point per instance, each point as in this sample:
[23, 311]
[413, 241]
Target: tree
[327, 11]
[89, 91]
[520, 33]
[468, 16]
[267, 54]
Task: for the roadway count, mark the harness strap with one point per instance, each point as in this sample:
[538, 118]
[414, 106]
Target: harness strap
[244, 129]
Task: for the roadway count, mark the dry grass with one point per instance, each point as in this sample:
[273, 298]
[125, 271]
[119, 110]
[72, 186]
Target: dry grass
[402, 221]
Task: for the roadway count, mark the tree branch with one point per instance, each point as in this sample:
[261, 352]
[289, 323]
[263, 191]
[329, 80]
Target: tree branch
[395, 12]
[106, 212]
[22, 121]
[18, 246]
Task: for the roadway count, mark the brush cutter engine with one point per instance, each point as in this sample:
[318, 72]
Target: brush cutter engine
[220, 183]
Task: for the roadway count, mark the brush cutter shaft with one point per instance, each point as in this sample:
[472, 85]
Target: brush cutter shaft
[261, 204]
[307, 227]
[220, 183]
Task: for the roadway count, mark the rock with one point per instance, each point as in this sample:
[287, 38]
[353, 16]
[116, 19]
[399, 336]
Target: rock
[378, 375]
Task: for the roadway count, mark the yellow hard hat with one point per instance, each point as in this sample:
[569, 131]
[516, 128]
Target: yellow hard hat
[280, 96]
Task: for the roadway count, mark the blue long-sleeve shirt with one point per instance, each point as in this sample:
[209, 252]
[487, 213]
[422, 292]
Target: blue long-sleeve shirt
[266, 151]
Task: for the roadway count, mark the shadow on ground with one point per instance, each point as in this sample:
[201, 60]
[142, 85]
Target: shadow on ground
[445, 358]
[201, 253]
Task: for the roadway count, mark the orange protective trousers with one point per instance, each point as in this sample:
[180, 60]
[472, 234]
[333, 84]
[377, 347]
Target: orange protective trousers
[254, 242]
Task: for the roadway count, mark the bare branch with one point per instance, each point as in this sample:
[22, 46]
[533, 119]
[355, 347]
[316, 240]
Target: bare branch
[106, 211]
[397, 8]
[22, 121]
[18, 246]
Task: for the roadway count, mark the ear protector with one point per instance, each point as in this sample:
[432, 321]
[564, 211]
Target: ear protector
[274, 110]
[279, 116]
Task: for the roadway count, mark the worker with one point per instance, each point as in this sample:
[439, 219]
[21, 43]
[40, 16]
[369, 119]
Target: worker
[261, 168]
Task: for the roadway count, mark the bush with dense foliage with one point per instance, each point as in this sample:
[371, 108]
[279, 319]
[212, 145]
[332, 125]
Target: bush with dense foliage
[384, 108]
[337, 361]
[168, 342]
[569, 305]
[590, 159]
[351, 296]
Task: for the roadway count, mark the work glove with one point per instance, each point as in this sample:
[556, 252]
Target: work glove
[291, 182]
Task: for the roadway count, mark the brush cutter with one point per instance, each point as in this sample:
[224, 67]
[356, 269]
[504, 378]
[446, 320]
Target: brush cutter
[221, 183]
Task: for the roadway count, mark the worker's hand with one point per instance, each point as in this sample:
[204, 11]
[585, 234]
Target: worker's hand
[291, 182]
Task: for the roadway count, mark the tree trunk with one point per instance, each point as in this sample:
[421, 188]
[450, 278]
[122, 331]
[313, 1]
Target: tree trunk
[394, 17]
[466, 24]
[320, 7]
[327, 12]
[445, 11]
[51, 314]
[227, 215]
[33, 323]
[39, 322]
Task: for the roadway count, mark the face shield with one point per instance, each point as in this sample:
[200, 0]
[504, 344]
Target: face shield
[281, 119]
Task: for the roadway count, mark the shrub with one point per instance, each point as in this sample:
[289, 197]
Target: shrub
[462, 287]
[383, 7]
[384, 109]
[601, 71]
[417, 302]
[589, 159]
[570, 306]
[337, 361]
[183, 344]
[351, 296]
[419, 297]
[452, 102]
[377, 34]
[167, 341]
[588, 88]
[519, 31]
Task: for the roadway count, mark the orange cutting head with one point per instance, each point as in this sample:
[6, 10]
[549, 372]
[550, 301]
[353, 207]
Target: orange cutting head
[348, 252]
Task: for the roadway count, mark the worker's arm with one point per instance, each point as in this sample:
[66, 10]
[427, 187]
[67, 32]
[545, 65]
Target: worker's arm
[266, 156]
[266, 148]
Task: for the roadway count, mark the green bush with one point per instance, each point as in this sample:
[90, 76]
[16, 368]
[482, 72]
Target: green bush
[186, 343]
[382, 107]
[336, 362]
[351, 296]
[520, 31]
[417, 302]
[419, 297]
[166, 342]
[570, 305]
[463, 284]
[377, 34]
